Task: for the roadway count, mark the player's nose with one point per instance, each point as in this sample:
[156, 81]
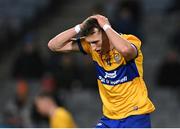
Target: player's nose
[93, 46]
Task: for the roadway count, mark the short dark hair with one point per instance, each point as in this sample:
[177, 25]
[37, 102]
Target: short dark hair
[44, 95]
[89, 26]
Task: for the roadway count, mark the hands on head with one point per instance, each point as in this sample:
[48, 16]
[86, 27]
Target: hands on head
[102, 20]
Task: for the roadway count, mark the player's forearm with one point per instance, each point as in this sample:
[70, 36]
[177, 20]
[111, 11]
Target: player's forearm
[122, 45]
[61, 39]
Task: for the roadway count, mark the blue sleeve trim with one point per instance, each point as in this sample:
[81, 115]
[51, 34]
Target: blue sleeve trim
[136, 50]
[80, 46]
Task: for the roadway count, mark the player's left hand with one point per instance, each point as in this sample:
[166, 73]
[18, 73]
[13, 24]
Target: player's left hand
[102, 20]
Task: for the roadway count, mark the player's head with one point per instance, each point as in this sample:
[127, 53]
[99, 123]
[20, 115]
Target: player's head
[89, 26]
[94, 34]
[45, 103]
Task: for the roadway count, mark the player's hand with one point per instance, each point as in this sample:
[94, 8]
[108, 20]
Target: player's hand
[102, 20]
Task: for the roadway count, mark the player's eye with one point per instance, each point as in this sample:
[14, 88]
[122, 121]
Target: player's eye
[93, 42]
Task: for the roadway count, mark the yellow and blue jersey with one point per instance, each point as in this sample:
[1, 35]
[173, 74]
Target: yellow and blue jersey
[121, 85]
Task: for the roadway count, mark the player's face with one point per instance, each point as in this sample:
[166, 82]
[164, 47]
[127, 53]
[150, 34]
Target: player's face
[95, 40]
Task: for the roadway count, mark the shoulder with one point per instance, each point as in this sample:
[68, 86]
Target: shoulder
[62, 111]
[132, 39]
[84, 46]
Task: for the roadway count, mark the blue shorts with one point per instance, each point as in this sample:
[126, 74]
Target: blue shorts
[136, 121]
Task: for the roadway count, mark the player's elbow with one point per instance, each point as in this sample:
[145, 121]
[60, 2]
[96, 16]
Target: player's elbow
[51, 46]
[127, 53]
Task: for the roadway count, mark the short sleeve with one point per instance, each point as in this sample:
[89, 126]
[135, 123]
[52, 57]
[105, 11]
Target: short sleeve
[84, 46]
[134, 40]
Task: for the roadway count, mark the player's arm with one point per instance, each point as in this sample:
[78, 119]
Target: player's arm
[128, 50]
[64, 41]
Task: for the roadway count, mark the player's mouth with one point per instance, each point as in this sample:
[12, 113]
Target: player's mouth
[98, 51]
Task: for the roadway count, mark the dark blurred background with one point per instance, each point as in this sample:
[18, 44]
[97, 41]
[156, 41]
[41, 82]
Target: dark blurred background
[27, 67]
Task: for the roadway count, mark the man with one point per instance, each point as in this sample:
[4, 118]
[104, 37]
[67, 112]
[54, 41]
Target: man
[118, 60]
[59, 116]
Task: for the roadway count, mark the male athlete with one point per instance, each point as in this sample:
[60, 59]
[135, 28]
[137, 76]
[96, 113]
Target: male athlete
[118, 60]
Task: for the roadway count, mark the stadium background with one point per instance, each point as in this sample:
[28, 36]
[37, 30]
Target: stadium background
[27, 66]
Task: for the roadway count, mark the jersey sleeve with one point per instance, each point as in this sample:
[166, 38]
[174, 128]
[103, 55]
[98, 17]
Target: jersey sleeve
[84, 46]
[134, 41]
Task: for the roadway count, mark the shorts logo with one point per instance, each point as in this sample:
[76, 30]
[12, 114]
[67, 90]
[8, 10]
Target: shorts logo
[99, 124]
